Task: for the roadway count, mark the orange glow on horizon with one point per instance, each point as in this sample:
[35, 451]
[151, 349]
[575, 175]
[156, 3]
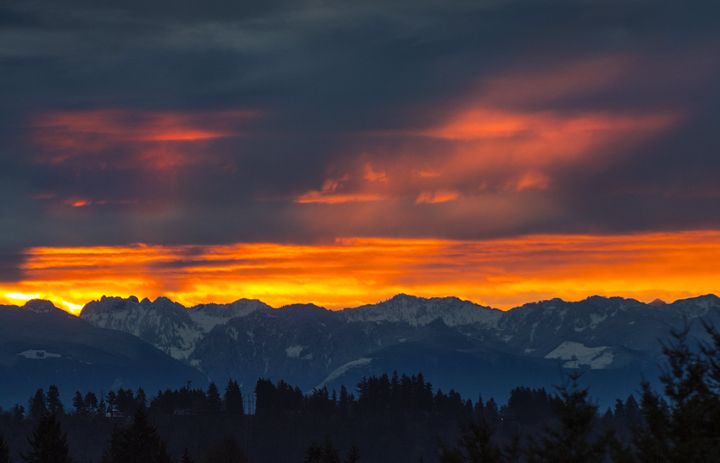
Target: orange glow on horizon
[498, 272]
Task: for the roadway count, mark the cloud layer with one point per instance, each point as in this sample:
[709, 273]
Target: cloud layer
[175, 124]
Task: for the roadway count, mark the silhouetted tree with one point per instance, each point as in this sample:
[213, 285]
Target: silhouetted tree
[4, 451]
[233, 399]
[48, 443]
[569, 441]
[683, 425]
[213, 401]
[138, 443]
[325, 454]
[79, 404]
[38, 405]
[475, 446]
[91, 403]
[226, 451]
[54, 405]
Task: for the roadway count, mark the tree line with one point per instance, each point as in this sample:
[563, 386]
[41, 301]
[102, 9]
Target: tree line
[385, 418]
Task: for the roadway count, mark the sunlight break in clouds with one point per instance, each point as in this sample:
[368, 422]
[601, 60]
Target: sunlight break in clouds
[348, 272]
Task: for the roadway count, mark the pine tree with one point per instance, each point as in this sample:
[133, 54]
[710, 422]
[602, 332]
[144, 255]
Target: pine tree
[683, 425]
[4, 451]
[233, 399]
[139, 443]
[570, 440]
[79, 404]
[54, 405]
[38, 405]
[476, 446]
[48, 444]
[213, 401]
[91, 403]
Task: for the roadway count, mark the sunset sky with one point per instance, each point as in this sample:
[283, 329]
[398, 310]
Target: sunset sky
[339, 153]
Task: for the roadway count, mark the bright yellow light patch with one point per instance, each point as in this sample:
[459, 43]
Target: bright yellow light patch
[352, 271]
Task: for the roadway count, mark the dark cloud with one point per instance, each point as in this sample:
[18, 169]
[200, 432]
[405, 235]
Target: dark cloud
[339, 85]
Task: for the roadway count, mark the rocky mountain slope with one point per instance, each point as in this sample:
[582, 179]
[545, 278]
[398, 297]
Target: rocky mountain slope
[455, 343]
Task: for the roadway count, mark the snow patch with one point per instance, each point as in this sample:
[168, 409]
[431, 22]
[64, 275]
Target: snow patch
[38, 354]
[294, 352]
[341, 370]
[577, 354]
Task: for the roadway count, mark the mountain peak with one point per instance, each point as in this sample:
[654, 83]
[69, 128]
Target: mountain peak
[419, 311]
[40, 306]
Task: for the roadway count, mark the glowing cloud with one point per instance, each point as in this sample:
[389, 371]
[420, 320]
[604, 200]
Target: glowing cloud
[501, 272]
[159, 140]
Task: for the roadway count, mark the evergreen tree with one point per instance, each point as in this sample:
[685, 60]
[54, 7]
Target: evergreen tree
[91, 403]
[48, 444]
[233, 399]
[38, 405]
[138, 443]
[111, 401]
[213, 401]
[569, 441]
[141, 398]
[54, 405]
[4, 451]
[79, 404]
[476, 446]
[683, 425]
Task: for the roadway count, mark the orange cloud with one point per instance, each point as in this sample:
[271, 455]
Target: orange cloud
[506, 136]
[155, 139]
[499, 272]
[329, 194]
[435, 197]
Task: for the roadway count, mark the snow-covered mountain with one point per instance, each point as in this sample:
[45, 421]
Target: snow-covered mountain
[456, 343]
[418, 311]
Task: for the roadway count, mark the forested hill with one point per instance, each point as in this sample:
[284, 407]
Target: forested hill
[384, 419]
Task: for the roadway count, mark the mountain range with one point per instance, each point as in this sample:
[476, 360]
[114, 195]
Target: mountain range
[615, 342]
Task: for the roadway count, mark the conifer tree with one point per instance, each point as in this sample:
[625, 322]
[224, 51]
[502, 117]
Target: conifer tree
[683, 425]
[38, 405]
[54, 405]
[138, 443]
[79, 404]
[213, 401]
[91, 402]
[48, 443]
[233, 399]
[569, 441]
[476, 446]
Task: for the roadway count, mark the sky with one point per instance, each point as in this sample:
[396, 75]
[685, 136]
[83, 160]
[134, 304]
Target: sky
[341, 152]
